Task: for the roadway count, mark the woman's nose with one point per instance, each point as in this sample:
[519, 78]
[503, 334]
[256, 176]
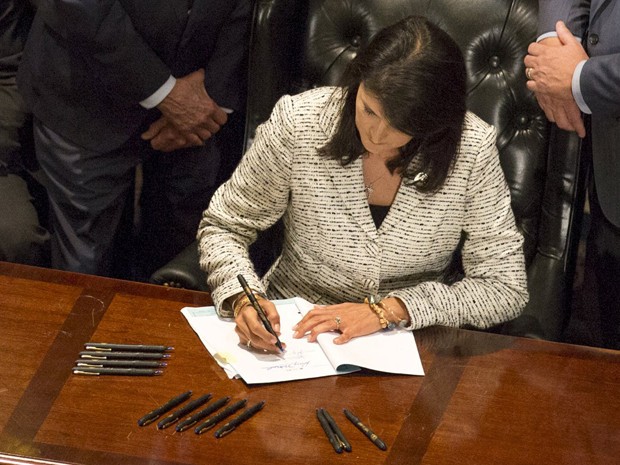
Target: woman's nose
[378, 133]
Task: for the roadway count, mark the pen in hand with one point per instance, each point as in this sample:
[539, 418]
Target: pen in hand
[259, 310]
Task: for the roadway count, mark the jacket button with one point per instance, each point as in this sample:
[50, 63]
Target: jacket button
[593, 39]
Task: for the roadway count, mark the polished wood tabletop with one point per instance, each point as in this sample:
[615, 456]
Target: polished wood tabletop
[485, 398]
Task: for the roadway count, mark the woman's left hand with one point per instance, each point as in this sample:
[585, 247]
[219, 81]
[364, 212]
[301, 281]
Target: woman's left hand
[351, 319]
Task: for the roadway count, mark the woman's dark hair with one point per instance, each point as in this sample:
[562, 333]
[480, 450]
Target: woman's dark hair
[417, 73]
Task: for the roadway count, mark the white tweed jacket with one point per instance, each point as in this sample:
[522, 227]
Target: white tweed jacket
[332, 250]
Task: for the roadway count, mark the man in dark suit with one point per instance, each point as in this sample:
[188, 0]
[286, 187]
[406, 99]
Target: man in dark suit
[22, 238]
[117, 83]
[574, 69]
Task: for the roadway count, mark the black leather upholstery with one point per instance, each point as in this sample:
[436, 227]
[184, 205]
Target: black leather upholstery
[299, 44]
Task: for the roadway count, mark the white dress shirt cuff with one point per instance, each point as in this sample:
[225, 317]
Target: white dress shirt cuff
[546, 35]
[160, 94]
[576, 89]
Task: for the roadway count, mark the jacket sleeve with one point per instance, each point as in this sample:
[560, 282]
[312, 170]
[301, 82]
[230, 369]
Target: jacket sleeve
[102, 33]
[253, 199]
[226, 68]
[600, 78]
[574, 13]
[494, 288]
[600, 84]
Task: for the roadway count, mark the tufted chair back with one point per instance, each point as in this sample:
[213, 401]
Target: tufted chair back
[300, 44]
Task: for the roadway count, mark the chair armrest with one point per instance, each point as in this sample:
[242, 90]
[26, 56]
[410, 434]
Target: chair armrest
[183, 271]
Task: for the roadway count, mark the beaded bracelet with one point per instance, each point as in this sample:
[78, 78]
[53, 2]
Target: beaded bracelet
[401, 322]
[383, 321]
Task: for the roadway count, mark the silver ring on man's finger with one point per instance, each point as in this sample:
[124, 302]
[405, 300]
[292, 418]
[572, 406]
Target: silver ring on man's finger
[337, 319]
[528, 73]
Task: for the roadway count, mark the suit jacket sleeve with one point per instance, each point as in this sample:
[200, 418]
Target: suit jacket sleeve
[600, 77]
[225, 70]
[253, 199]
[574, 13]
[494, 288]
[102, 33]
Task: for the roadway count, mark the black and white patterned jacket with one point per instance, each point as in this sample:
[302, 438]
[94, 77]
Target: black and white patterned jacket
[332, 250]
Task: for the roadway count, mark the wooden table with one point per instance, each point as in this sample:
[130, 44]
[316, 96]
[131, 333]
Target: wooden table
[485, 399]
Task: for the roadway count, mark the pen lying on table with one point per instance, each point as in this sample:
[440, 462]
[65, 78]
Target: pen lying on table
[95, 371]
[159, 411]
[101, 355]
[366, 430]
[119, 363]
[245, 415]
[105, 346]
[334, 434]
[196, 417]
[175, 416]
[215, 419]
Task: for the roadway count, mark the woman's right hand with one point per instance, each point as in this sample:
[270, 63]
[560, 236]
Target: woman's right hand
[252, 332]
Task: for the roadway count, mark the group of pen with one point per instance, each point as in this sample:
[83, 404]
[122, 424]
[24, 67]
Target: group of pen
[102, 358]
[335, 436]
[195, 418]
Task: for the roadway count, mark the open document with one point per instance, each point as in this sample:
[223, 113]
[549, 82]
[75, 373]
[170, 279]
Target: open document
[388, 351]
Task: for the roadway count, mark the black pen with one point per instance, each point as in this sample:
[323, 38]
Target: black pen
[232, 424]
[120, 363]
[332, 423]
[101, 355]
[259, 309]
[331, 435]
[215, 419]
[174, 416]
[196, 417]
[365, 429]
[104, 346]
[172, 403]
[116, 371]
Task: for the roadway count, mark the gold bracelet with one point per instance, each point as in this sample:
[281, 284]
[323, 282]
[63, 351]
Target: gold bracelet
[243, 300]
[378, 311]
[239, 305]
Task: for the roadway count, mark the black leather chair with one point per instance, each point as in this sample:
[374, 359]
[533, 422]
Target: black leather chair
[299, 44]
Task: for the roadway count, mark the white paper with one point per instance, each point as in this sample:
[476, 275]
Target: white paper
[393, 351]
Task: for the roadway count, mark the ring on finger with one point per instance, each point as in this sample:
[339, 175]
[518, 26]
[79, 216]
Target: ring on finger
[337, 319]
[249, 344]
[528, 73]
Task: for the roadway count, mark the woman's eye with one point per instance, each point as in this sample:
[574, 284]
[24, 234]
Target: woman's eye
[368, 111]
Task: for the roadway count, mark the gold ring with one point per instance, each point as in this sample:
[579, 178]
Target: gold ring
[337, 319]
[249, 344]
[528, 73]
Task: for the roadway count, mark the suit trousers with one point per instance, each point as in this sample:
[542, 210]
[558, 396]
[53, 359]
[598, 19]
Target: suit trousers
[92, 200]
[602, 270]
[22, 238]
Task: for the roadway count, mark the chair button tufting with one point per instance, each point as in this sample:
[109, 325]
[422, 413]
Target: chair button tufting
[356, 41]
[523, 121]
[494, 62]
